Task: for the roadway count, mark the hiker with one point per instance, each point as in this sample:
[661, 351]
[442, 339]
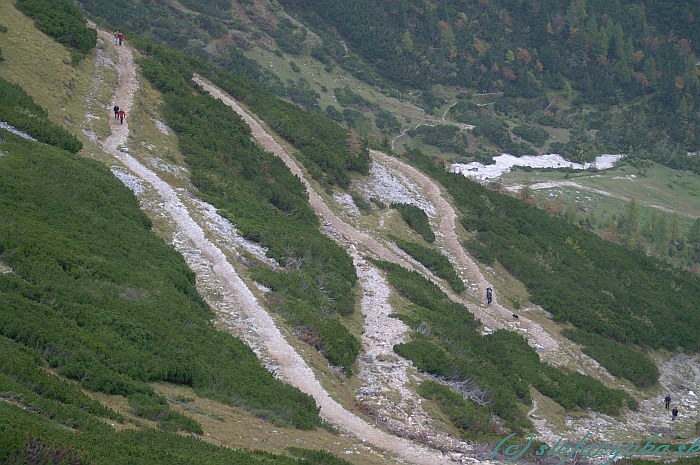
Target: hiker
[116, 38]
[116, 111]
[489, 295]
[121, 38]
[122, 115]
[674, 413]
[667, 401]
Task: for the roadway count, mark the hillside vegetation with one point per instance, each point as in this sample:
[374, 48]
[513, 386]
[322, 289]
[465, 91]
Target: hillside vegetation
[19, 110]
[597, 72]
[107, 303]
[601, 288]
[61, 20]
[93, 301]
[497, 369]
[94, 296]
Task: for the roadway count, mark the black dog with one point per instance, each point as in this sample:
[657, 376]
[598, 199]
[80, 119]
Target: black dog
[515, 316]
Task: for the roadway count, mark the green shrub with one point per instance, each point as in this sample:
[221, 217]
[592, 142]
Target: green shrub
[619, 359]
[62, 20]
[533, 134]
[19, 109]
[472, 419]
[416, 219]
[434, 261]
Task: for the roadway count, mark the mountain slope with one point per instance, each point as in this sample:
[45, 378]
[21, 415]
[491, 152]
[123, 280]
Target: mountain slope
[194, 116]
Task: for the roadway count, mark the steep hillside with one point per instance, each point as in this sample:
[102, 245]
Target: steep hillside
[609, 53]
[308, 282]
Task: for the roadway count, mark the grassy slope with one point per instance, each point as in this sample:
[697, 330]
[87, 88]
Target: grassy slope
[677, 190]
[43, 68]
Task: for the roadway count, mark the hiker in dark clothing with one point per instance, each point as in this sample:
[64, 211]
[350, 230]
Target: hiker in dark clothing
[122, 115]
[667, 401]
[489, 295]
[674, 413]
[116, 111]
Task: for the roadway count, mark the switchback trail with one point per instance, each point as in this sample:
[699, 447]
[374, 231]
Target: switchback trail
[494, 316]
[289, 364]
[361, 239]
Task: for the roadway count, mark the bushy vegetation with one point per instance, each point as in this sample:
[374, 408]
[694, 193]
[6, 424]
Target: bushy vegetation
[598, 286]
[19, 109]
[29, 436]
[619, 359]
[416, 219]
[257, 192]
[532, 134]
[472, 419]
[346, 97]
[105, 302]
[502, 364]
[386, 122]
[62, 20]
[446, 137]
[328, 151]
[434, 261]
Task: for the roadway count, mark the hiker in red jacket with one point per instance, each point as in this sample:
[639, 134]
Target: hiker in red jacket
[122, 115]
[121, 38]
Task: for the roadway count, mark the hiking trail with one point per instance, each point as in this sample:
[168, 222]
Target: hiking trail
[191, 240]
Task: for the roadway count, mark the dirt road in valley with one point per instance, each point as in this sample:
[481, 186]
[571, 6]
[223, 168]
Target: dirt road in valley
[289, 364]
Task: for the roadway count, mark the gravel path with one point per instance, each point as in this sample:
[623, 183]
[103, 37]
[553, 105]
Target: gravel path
[289, 365]
[494, 316]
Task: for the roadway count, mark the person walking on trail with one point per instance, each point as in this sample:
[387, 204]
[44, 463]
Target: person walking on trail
[667, 401]
[116, 38]
[121, 38]
[122, 115]
[674, 413]
[489, 295]
[116, 111]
